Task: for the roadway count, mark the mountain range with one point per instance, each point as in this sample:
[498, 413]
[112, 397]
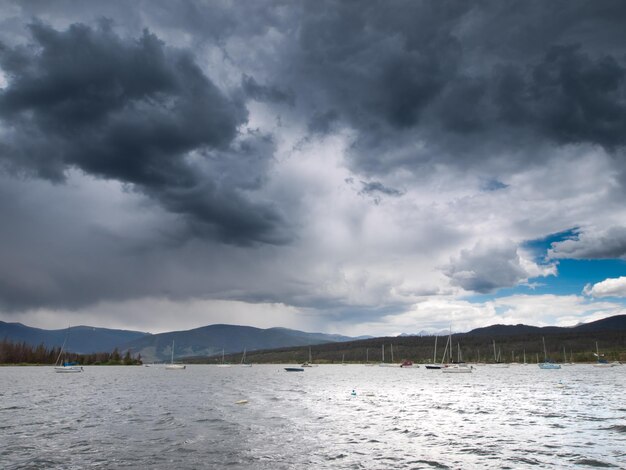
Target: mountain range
[81, 339]
[204, 341]
[211, 340]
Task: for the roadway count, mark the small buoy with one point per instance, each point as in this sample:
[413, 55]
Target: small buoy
[353, 393]
[241, 402]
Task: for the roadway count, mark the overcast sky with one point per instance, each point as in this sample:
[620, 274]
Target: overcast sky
[352, 167]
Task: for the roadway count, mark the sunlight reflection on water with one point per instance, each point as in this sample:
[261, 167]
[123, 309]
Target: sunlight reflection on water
[132, 417]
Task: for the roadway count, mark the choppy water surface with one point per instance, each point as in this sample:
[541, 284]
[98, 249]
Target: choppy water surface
[147, 417]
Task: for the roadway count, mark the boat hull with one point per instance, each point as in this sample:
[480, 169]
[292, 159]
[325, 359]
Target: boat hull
[457, 370]
[548, 365]
[68, 369]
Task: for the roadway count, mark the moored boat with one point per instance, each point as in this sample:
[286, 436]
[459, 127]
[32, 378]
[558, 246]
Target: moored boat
[601, 361]
[459, 368]
[66, 367]
[172, 365]
[547, 363]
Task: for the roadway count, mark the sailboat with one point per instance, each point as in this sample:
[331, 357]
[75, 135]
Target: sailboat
[367, 357]
[383, 363]
[171, 365]
[496, 358]
[309, 363]
[547, 364]
[434, 365]
[601, 362]
[243, 362]
[62, 366]
[223, 364]
[565, 363]
[459, 367]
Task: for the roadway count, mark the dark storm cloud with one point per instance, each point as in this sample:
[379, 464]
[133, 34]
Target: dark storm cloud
[413, 86]
[468, 80]
[137, 112]
[266, 93]
[374, 187]
[322, 123]
[568, 96]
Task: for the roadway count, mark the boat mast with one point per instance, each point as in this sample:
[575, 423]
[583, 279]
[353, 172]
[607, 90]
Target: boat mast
[68, 333]
[495, 357]
[435, 353]
[545, 354]
[445, 350]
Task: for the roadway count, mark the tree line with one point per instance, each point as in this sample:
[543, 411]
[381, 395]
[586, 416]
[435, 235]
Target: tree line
[568, 346]
[23, 353]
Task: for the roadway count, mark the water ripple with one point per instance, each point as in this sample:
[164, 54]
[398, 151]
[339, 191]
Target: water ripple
[124, 417]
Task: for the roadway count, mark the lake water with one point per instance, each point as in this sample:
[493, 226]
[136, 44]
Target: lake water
[147, 417]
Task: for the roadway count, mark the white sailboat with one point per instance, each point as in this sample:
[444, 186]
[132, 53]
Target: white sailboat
[172, 365]
[565, 363]
[458, 367]
[223, 364]
[383, 363]
[60, 366]
[367, 357]
[496, 358]
[309, 363]
[243, 362]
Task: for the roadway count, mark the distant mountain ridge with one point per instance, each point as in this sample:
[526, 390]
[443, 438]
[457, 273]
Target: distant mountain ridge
[204, 341]
[212, 339]
[81, 339]
[617, 322]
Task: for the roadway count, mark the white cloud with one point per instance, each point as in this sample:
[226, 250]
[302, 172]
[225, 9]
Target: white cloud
[438, 313]
[613, 287]
[492, 265]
